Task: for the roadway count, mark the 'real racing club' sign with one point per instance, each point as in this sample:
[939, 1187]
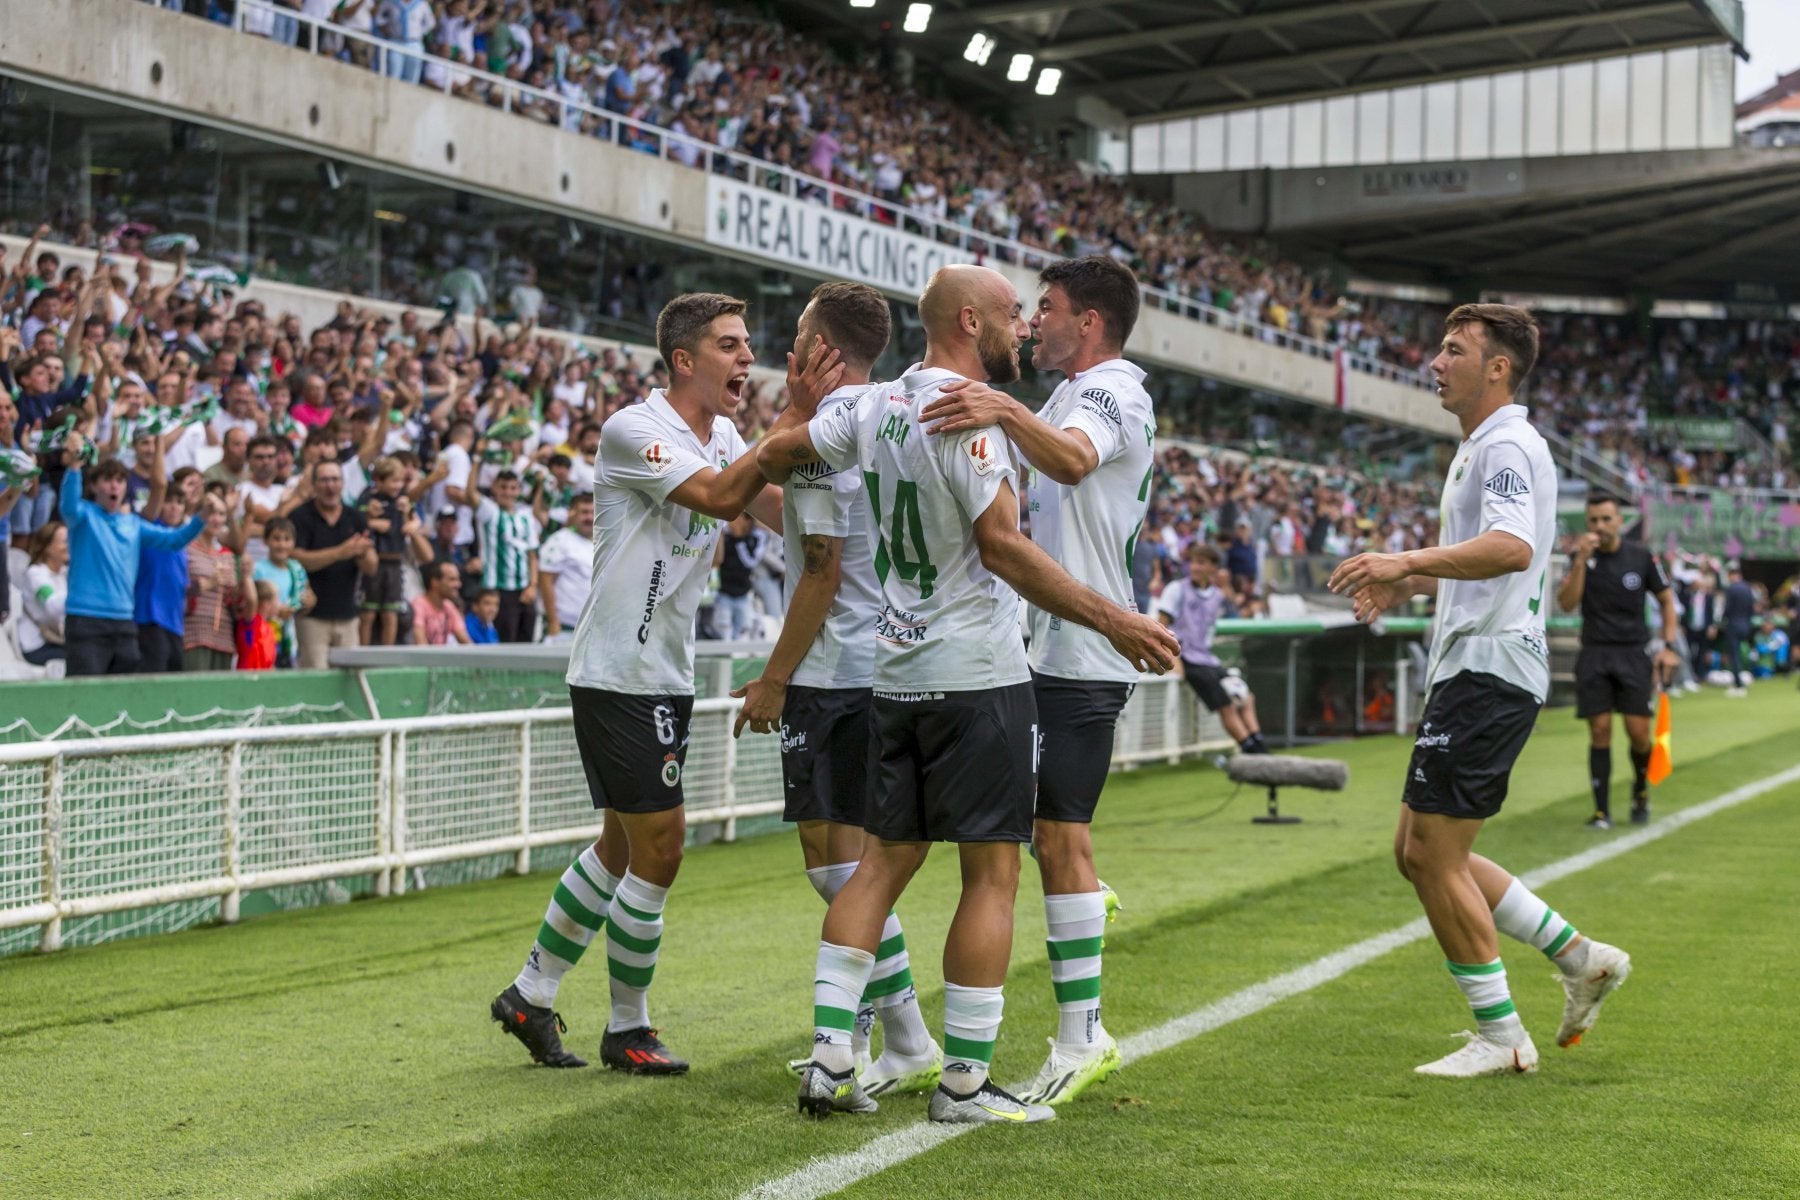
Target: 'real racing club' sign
[818, 240]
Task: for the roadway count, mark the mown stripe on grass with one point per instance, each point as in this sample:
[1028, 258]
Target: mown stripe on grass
[824, 1176]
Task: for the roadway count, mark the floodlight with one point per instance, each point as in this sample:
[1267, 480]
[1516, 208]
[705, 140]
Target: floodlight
[918, 16]
[979, 49]
[1048, 78]
[1019, 70]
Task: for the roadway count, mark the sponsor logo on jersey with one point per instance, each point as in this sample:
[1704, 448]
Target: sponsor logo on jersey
[982, 452]
[815, 470]
[650, 600]
[910, 698]
[1632, 581]
[681, 550]
[1430, 740]
[1534, 639]
[657, 457]
[897, 627]
[700, 523]
[792, 741]
[1101, 401]
[1507, 484]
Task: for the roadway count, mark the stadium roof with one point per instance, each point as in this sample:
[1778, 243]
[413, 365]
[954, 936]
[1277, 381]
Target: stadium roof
[1165, 56]
[1731, 221]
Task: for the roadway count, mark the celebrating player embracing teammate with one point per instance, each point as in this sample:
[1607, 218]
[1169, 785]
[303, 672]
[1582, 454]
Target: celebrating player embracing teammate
[670, 470]
[955, 718]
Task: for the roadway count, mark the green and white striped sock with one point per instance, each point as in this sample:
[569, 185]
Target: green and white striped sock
[1520, 915]
[971, 1027]
[634, 927]
[895, 999]
[1076, 922]
[1484, 986]
[577, 910]
[839, 977]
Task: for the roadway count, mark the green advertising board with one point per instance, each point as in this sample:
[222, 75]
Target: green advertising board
[1733, 526]
[1696, 433]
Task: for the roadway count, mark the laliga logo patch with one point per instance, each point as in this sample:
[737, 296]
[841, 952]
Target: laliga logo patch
[671, 771]
[980, 449]
[657, 457]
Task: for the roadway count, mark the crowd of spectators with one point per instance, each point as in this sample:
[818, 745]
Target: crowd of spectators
[722, 76]
[191, 485]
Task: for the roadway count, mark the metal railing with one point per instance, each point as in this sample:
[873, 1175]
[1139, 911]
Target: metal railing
[109, 825]
[451, 77]
[1582, 464]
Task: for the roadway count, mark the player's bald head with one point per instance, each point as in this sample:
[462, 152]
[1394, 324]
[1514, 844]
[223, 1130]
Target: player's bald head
[968, 307]
[961, 286]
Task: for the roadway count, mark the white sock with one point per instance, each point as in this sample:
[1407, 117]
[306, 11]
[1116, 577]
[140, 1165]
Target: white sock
[839, 976]
[1520, 915]
[828, 881]
[1076, 922]
[577, 911]
[634, 927]
[1484, 986]
[971, 1027]
[895, 999]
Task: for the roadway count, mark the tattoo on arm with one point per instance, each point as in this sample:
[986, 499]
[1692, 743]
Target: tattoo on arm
[799, 453]
[818, 553]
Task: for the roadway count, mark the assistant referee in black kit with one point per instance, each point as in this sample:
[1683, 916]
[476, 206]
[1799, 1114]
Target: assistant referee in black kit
[1608, 578]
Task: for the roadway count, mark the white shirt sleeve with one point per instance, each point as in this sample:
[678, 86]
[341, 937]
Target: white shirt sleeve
[833, 435]
[1507, 501]
[1169, 603]
[975, 464]
[822, 507]
[642, 458]
[1098, 413]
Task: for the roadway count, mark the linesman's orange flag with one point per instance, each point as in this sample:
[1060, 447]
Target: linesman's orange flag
[1662, 761]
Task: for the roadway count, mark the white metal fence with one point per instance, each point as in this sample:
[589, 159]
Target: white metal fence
[112, 825]
[259, 18]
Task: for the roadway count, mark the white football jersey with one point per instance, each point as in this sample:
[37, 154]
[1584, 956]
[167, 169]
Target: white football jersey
[1502, 478]
[651, 557]
[1092, 527]
[946, 623]
[822, 501]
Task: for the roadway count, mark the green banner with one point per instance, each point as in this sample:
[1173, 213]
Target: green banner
[1696, 433]
[1734, 526]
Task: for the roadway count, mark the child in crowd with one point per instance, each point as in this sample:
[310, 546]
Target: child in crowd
[387, 510]
[480, 621]
[282, 571]
[259, 634]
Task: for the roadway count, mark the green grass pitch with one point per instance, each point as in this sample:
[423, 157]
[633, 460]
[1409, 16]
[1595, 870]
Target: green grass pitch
[347, 1052]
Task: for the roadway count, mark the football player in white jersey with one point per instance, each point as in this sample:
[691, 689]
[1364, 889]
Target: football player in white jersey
[670, 470]
[955, 745]
[1090, 453]
[816, 690]
[1488, 674]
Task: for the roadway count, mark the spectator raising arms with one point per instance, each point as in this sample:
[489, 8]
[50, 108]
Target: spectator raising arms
[104, 543]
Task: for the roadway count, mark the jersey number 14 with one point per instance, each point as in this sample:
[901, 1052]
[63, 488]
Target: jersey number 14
[907, 526]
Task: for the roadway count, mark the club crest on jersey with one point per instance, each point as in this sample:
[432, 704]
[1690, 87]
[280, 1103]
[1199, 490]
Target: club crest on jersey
[1507, 484]
[1101, 401]
[657, 457]
[981, 452]
[1460, 468]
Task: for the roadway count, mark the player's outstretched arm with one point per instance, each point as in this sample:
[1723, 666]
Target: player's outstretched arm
[778, 454]
[1063, 455]
[723, 494]
[1008, 553]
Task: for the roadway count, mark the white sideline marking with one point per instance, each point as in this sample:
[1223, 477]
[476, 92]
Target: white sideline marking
[824, 1176]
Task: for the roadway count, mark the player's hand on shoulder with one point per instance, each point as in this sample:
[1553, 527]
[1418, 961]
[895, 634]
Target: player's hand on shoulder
[965, 404]
[1145, 642]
